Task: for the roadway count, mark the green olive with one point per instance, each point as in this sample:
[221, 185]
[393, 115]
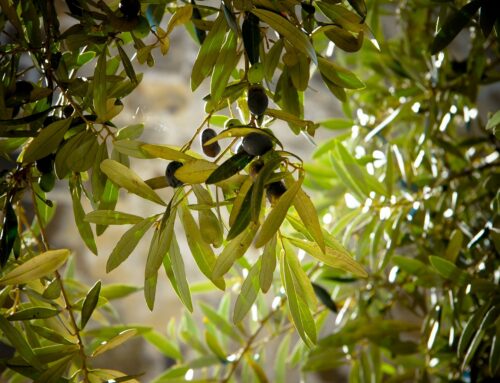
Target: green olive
[213, 149]
[47, 181]
[169, 174]
[257, 100]
[232, 122]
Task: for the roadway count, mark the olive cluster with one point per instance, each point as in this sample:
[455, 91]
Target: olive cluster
[254, 144]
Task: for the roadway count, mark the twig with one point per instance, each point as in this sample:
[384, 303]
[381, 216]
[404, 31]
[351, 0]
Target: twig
[67, 302]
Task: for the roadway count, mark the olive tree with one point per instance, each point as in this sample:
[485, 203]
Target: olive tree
[392, 272]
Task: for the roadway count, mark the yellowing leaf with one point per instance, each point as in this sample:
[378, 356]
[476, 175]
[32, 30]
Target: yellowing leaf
[332, 257]
[195, 172]
[112, 217]
[166, 152]
[277, 215]
[181, 16]
[129, 180]
[114, 342]
[309, 216]
[36, 267]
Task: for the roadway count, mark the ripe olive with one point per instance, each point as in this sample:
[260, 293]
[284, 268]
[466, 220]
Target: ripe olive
[169, 173]
[275, 190]
[257, 100]
[46, 164]
[213, 149]
[255, 167]
[130, 8]
[68, 111]
[257, 144]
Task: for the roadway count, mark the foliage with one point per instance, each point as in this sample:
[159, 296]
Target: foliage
[409, 183]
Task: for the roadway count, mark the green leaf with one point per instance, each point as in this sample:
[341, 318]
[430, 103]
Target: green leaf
[268, 264]
[493, 121]
[127, 65]
[277, 215]
[166, 347]
[215, 346]
[150, 290]
[112, 217]
[229, 167]
[339, 75]
[209, 52]
[449, 271]
[33, 313]
[258, 187]
[281, 364]
[82, 157]
[100, 95]
[179, 272]
[324, 297]
[83, 227]
[195, 172]
[19, 343]
[294, 286]
[90, 303]
[248, 294]
[155, 257]
[336, 258]
[292, 33]
[235, 249]
[452, 26]
[272, 59]
[51, 335]
[117, 291]
[36, 267]
[224, 66]
[222, 325]
[127, 243]
[126, 178]
[47, 141]
[122, 337]
[454, 246]
[201, 251]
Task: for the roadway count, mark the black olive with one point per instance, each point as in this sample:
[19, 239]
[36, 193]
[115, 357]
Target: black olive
[257, 144]
[68, 111]
[257, 100]
[275, 190]
[308, 8]
[169, 173]
[45, 164]
[130, 8]
[255, 167]
[213, 149]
